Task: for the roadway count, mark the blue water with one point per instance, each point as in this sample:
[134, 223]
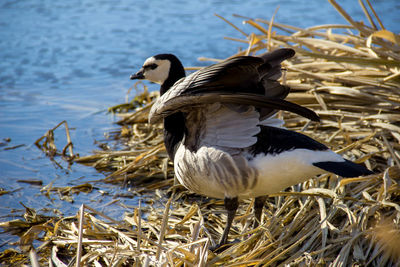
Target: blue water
[70, 60]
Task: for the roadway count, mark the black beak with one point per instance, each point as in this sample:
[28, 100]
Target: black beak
[138, 75]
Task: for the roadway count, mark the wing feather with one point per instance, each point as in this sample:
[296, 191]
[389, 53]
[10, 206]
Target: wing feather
[224, 127]
[244, 81]
[165, 107]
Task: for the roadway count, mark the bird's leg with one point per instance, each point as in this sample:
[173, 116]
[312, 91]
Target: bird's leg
[258, 207]
[231, 205]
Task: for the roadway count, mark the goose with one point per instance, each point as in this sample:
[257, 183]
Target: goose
[221, 135]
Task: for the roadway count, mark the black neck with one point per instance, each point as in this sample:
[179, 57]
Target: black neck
[174, 125]
[176, 72]
[174, 131]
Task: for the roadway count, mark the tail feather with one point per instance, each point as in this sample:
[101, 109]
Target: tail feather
[345, 168]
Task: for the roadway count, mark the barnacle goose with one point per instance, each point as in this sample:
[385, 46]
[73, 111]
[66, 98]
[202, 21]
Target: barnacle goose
[219, 133]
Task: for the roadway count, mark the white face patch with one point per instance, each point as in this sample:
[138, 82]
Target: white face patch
[156, 70]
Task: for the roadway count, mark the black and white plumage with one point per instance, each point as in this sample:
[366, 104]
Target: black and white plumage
[220, 135]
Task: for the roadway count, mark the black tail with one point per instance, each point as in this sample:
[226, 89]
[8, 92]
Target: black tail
[345, 168]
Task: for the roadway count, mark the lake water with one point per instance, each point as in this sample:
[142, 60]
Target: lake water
[70, 60]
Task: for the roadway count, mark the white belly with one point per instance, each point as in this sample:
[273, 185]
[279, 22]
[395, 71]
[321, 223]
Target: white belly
[215, 173]
[279, 171]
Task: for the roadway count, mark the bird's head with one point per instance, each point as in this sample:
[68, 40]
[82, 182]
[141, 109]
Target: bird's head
[164, 69]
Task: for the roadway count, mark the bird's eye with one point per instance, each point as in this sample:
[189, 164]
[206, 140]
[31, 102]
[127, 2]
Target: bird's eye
[151, 66]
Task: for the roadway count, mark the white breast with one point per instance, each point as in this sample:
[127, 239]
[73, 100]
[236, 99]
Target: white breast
[212, 172]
